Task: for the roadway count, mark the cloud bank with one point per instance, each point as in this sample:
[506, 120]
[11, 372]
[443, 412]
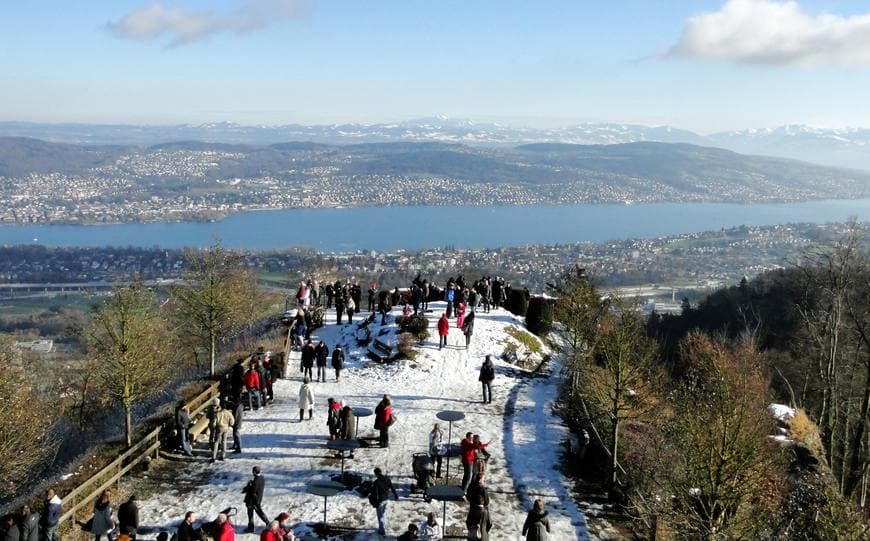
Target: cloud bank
[182, 26]
[774, 32]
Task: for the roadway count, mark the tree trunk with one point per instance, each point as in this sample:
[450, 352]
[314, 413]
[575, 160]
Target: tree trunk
[212, 352]
[128, 425]
[614, 447]
[855, 472]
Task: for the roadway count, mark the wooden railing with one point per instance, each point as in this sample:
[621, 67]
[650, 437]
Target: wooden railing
[148, 446]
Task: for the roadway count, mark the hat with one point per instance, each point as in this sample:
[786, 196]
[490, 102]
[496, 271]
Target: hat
[216, 401]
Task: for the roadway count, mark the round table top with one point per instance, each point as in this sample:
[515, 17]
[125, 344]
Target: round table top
[362, 412]
[446, 493]
[325, 488]
[342, 445]
[450, 416]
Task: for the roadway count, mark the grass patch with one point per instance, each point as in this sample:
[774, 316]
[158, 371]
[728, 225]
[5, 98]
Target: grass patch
[523, 337]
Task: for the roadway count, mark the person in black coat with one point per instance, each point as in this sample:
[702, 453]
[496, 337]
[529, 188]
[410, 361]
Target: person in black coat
[308, 356]
[321, 354]
[337, 361]
[254, 498]
[28, 524]
[237, 380]
[487, 374]
[186, 530]
[128, 516]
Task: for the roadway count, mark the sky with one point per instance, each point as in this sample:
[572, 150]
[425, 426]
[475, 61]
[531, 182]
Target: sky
[700, 65]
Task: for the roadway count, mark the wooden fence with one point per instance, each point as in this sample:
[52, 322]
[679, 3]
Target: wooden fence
[149, 446]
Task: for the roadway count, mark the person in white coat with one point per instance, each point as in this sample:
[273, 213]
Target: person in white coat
[306, 399]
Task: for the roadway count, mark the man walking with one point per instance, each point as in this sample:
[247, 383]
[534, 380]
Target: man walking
[379, 496]
[337, 361]
[254, 498]
[252, 384]
[321, 354]
[238, 412]
[128, 517]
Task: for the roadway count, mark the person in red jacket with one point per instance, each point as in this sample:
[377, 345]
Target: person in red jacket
[252, 384]
[468, 452]
[384, 418]
[443, 330]
[223, 530]
[271, 533]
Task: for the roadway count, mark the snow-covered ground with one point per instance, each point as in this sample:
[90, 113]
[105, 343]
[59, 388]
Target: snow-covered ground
[525, 442]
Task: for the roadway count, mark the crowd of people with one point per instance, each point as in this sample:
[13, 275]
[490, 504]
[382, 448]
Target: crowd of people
[250, 388]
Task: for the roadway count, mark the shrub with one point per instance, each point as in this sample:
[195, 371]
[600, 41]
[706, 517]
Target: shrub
[412, 324]
[518, 301]
[530, 342]
[406, 345]
[539, 315]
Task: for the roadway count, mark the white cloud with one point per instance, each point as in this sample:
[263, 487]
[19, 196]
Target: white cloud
[181, 26]
[776, 33]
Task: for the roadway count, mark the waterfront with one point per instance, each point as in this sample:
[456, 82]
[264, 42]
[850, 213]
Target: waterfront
[390, 228]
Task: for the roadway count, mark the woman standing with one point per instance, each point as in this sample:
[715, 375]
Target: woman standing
[102, 523]
[537, 524]
[436, 448]
[477, 521]
[306, 399]
[384, 418]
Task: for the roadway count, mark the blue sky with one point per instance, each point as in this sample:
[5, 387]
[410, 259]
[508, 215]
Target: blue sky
[527, 63]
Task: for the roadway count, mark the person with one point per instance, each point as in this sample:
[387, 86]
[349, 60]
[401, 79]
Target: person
[252, 385]
[373, 288]
[186, 530]
[223, 421]
[128, 516]
[223, 530]
[50, 519]
[348, 423]
[321, 354]
[265, 383]
[182, 425]
[384, 419]
[211, 414]
[333, 417]
[28, 524]
[271, 533]
[378, 497]
[487, 375]
[337, 361]
[430, 530]
[468, 329]
[449, 296]
[10, 529]
[481, 455]
[477, 521]
[411, 534]
[468, 455]
[237, 379]
[300, 330]
[254, 498]
[238, 412]
[102, 523]
[537, 524]
[477, 487]
[284, 531]
[309, 354]
[436, 448]
[306, 399]
[443, 330]
[406, 310]
[339, 307]
[460, 315]
[351, 309]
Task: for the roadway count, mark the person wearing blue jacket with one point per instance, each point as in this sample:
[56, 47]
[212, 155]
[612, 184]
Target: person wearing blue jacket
[50, 518]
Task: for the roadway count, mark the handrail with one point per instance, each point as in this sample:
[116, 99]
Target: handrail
[79, 497]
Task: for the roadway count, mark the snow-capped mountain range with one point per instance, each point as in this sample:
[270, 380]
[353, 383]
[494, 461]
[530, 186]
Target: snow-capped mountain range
[846, 147]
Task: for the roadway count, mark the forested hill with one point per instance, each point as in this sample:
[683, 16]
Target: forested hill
[258, 175]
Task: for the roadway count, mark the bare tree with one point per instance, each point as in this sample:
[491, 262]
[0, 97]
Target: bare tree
[620, 383]
[25, 423]
[131, 345]
[714, 456]
[218, 297]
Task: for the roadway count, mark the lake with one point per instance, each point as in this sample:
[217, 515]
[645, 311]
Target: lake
[389, 228]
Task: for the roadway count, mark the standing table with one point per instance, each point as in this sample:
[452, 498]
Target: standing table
[450, 416]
